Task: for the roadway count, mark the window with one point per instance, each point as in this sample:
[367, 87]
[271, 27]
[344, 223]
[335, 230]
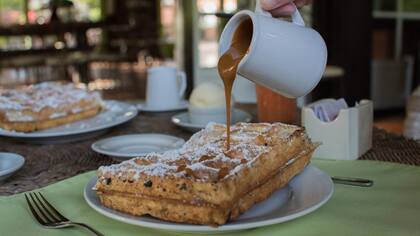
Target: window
[19, 12]
[70, 10]
[396, 13]
[168, 20]
[12, 12]
[411, 6]
[210, 25]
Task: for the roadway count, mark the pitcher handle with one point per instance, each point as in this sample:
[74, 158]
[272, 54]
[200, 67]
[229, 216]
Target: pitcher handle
[296, 17]
[182, 81]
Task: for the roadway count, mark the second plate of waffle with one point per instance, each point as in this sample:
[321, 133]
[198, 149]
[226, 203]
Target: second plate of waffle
[114, 113]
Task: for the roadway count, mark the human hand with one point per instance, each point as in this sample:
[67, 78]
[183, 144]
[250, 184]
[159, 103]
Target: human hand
[282, 7]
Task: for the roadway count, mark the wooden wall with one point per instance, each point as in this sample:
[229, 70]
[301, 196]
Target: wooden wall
[346, 27]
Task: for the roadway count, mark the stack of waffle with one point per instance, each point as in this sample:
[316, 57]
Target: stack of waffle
[46, 105]
[203, 183]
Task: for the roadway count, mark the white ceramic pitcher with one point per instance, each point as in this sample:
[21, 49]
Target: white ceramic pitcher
[286, 57]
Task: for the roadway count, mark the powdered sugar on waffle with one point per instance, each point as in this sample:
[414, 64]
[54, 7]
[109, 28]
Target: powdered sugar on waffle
[36, 97]
[204, 155]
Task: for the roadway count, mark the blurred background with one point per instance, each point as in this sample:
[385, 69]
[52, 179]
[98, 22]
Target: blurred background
[374, 46]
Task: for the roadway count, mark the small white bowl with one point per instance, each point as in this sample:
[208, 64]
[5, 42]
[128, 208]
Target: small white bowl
[9, 163]
[202, 116]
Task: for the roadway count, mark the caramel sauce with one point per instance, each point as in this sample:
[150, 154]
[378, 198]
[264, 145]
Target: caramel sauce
[228, 65]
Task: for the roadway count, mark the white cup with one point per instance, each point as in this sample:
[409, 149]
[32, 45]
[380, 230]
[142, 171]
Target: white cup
[286, 57]
[165, 87]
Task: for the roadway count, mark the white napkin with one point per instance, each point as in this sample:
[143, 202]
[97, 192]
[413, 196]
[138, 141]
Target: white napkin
[327, 109]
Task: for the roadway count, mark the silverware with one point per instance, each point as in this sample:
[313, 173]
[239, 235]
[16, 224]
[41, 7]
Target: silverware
[352, 181]
[49, 217]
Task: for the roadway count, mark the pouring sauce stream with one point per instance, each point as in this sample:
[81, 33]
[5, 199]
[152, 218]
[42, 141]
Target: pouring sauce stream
[228, 65]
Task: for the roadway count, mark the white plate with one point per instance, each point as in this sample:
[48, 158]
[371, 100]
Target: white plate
[183, 120]
[133, 145]
[115, 113]
[181, 106]
[9, 164]
[304, 194]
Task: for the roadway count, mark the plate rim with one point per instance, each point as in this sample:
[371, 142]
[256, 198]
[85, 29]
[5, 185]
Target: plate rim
[32, 135]
[177, 227]
[21, 162]
[198, 126]
[94, 146]
[141, 106]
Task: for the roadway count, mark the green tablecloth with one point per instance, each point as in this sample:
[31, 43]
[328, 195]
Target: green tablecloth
[390, 207]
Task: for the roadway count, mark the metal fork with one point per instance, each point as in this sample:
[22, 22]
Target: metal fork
[49, 217]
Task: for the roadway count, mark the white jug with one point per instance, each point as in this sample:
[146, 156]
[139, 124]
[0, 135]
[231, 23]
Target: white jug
[286, 57]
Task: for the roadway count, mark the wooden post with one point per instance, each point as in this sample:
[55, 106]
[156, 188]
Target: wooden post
[187, 11]
[346, 27]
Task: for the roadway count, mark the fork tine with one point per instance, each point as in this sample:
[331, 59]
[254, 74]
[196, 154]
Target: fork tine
[41, 210]
[53, 208]
[48, 211]
[34, 213]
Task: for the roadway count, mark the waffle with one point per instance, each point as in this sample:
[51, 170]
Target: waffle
[46, 105]
[202, 183]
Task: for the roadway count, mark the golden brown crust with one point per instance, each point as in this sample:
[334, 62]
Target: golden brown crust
[46, 105]
[30, 126]
[191, 177]
[276, 152]
[185, 212]
[264, 191]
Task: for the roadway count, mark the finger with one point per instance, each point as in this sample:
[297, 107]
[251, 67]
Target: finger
[269, 5]
[285, 10]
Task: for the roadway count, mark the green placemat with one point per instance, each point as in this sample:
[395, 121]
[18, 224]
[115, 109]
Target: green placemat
[390, 207]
